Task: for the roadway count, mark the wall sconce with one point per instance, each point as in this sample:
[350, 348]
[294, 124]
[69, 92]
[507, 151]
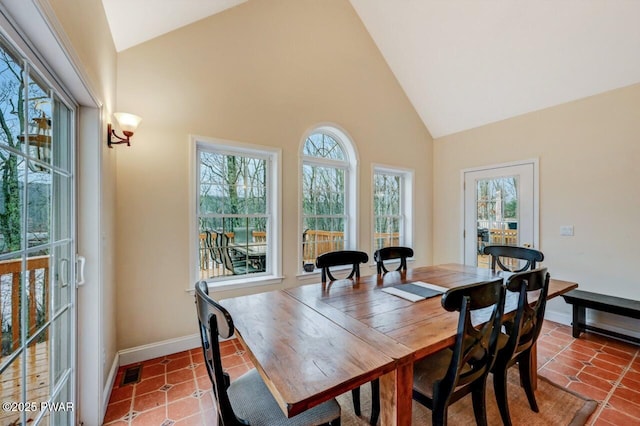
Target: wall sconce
[128, 123]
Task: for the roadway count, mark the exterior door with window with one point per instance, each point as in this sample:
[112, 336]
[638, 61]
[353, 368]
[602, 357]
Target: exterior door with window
[500, 207]
[37, 247]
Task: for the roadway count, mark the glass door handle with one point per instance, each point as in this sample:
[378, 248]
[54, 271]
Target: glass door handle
[80, 261]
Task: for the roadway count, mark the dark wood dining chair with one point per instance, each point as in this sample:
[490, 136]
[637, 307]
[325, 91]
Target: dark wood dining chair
[443, 378]
[521, 333]
[389, 253]
[246, 400]
[236, 263]
[532, 256]
[354, 258]
[341, 258]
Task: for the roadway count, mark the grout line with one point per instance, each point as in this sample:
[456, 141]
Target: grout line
[615, 386]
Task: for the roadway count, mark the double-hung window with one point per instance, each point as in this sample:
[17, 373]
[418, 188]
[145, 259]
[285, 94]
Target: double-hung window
[392, 207]
[236, 204]
[328, 194]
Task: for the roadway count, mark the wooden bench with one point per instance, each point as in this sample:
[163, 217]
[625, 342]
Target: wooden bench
[616, 305]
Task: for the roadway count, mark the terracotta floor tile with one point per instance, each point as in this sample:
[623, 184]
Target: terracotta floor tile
[628, 394]
[153, 370]
[595, 381]
[613, 359]
[120, 394]
[633, 375]
[570, 361]
[588, 391]
[623, 346]
[183, 408]
[629, 382]
[117, 423]
[582, 354]
[631, 408]
[580, 345]
[232, 360]
[201, 370]
[204, 382]
[227, 350]
[555, 341]
[197, 358]
[603, 374]
[151, 417]
[179, 376]
[149, 400]
[178, 364]
[598, 362]
[626, 352]
[117, 410]
[617, 418]
[149, 385]
[562, 368]
[181, 390]
[153, 361]
[601, 422]
[237, 371]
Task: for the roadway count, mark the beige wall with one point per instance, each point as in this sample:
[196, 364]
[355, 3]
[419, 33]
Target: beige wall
[589, 152]
[263, 73]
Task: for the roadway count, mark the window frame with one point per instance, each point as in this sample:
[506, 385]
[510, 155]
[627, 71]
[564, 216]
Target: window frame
[406, 202]
[350, 165]
[273, 156]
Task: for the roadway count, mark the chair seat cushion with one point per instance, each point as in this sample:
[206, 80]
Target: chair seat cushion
[430, 369]
[253, 402]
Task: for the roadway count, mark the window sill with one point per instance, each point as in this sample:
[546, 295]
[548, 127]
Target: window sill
[241, 283]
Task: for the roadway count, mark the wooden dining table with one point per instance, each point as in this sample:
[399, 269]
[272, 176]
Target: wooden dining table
[314, 342]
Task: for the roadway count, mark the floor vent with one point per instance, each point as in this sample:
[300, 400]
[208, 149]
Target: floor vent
[131, 375]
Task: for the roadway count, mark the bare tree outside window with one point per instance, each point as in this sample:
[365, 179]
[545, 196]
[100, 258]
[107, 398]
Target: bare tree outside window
[233, 215]
[324, 218]
[387, 210]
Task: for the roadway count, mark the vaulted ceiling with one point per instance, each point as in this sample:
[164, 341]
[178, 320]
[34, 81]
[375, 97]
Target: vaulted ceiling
[462, 63]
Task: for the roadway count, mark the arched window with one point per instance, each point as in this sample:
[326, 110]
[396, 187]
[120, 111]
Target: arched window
[329, 196]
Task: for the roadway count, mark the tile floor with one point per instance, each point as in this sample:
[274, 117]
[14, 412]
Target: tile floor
[175, 390]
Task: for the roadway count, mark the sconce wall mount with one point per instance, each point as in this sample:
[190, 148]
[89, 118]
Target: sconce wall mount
[128, 124]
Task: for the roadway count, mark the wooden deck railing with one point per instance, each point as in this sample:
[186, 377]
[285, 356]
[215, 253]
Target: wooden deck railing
[317, 242]
[506, 237]
[13, 268]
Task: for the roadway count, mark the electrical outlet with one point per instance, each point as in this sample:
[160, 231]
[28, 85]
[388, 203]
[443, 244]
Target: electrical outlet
[566, 230]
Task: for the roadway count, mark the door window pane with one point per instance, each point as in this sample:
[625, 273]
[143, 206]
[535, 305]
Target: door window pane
[497, 213]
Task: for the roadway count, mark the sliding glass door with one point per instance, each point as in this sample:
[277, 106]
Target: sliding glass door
[37, 246]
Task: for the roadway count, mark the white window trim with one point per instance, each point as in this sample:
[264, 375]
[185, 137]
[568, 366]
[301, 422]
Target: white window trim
[351, 191]
[406, 201]
[274, 204]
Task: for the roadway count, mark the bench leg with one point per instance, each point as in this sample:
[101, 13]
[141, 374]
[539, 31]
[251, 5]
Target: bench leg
[578, 320]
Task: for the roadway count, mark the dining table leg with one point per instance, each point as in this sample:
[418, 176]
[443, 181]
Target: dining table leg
[396, 388]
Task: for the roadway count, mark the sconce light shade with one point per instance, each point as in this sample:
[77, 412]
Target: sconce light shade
[128, 123]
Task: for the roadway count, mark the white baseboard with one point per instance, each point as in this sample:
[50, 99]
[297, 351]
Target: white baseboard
[559, 317]
[108, 387]
[158, 349]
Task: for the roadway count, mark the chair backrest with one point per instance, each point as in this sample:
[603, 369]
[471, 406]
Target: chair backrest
[223, 248]
[530, 255]
[475, 346]
[214, 321]
[341, 258]
[211, 243]
[387, 253]
[525, 328]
